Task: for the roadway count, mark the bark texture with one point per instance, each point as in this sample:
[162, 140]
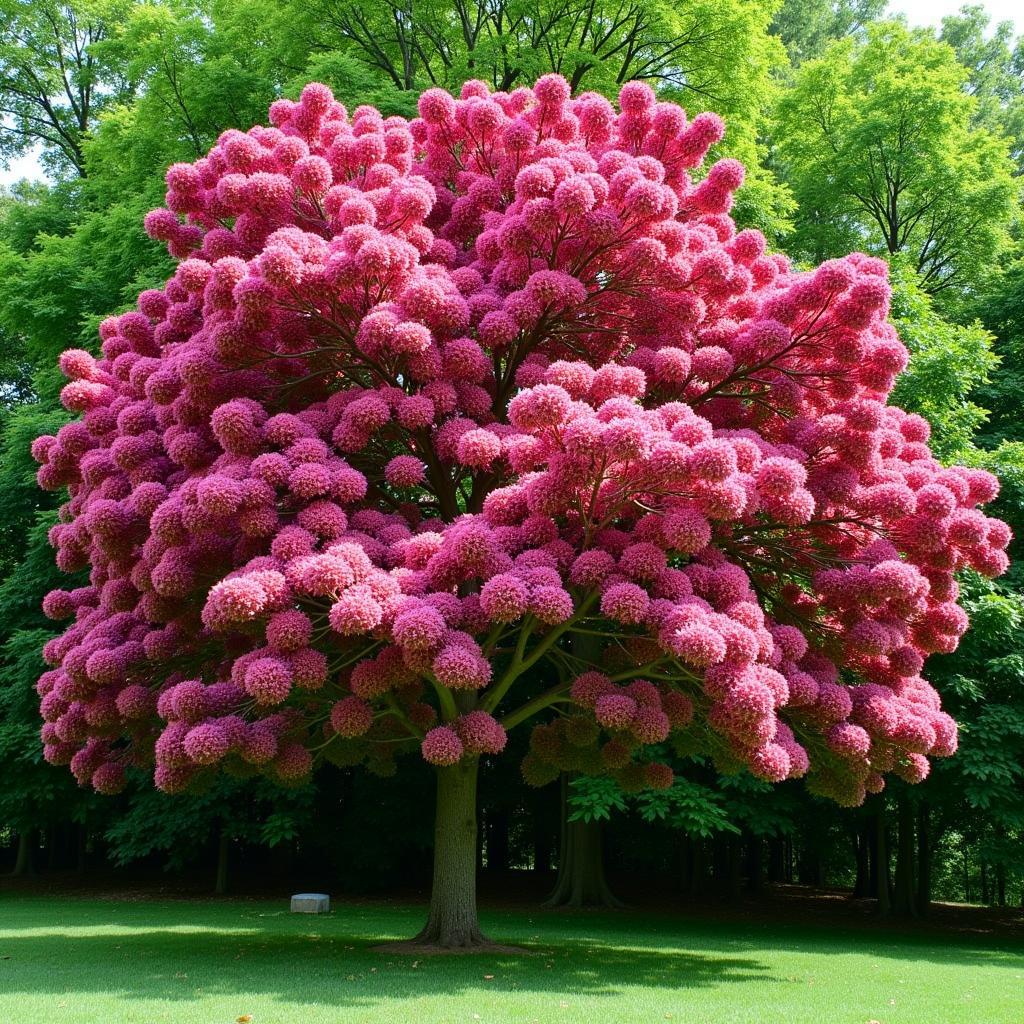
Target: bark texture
[581, 879]
[453, 922]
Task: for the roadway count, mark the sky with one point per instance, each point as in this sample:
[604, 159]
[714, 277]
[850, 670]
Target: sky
[917, 12]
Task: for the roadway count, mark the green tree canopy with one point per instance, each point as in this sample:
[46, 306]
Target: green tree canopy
[52, 85]
[877, 141]
[806, 27]
[995, 68]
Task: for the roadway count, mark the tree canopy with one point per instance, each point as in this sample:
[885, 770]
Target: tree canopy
[877, 140]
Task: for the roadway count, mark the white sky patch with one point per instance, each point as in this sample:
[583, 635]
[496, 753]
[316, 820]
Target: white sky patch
[26, 166]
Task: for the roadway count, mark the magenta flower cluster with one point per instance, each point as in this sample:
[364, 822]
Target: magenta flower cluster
[442, 425]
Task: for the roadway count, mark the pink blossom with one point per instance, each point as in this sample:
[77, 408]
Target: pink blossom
[625, 602]
[480, 733]
[268, 680]
[461, 668]
[494, 380]
[206, 743]
[355, 611]
[404, 471]
[504, 598]
[442, 747]
[615, 710]
[351, 717]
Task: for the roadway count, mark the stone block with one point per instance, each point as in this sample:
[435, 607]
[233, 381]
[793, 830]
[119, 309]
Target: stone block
[311, 903]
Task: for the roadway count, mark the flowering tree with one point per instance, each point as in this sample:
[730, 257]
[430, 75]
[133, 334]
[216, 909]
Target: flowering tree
[446, 425]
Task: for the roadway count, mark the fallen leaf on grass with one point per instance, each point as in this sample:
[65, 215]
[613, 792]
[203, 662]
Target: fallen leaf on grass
[488, 977]
[244, 1019]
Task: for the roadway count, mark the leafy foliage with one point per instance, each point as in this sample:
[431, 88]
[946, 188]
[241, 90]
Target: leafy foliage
[877, 140]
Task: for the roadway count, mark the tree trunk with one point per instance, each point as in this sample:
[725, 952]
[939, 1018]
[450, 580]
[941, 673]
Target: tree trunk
[776, 865]
[81, 849]
[861, 847]
[581, 880]
[984, 882]
[452, 922]
[699, 864]
[924, 859]
[733, 868]
[882, 862]
[905, 903]
[221, 885]
[541, 849]
[497, 841]
[684, 861]
[809, 862]
[1001, 884]
[755, 864]
[23, 859]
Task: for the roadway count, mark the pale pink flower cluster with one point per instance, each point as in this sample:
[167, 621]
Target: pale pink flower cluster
[426, 404]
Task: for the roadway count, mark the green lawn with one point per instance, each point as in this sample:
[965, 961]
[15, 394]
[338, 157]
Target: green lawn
[89, 960]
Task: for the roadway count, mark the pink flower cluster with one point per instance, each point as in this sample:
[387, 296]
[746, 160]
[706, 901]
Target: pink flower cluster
[426, 403]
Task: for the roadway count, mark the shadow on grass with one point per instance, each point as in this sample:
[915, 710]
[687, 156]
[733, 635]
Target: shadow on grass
[330, 961]
[176, 951]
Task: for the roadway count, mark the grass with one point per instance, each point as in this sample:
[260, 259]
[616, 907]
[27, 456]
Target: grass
[93, 961]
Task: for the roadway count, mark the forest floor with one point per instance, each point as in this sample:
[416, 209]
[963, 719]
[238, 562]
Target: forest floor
[88, 960]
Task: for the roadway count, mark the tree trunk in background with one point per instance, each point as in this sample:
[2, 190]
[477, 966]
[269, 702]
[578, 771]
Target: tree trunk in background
[755, 864]
[497, 841]
[81, 848]
[581, 879]
[699, 865]
[1000, 894]
[776, 865]
[221, 885]
[684, 862]
[542, 844]
[861, 851]
[453, 922]
[924, 859]
[733, 868]
[23, 864]
[905, 889]
[881, 846]
[984, 882]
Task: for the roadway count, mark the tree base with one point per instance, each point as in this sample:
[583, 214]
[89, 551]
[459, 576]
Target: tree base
[414, 947]
[604, 900]
[581, 879]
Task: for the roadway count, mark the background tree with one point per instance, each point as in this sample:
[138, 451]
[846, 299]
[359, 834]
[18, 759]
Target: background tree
[52, 86]
[995, 66]
[876, 140]
[708, 55]
[806, 27]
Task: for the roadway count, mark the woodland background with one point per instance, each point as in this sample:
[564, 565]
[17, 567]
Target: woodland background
[857, 132]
